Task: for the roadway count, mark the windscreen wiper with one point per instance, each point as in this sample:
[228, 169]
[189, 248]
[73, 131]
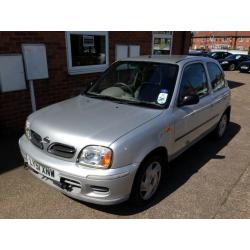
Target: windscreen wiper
[124, 101]
[142, 104]
[104, 97]
[149, 105]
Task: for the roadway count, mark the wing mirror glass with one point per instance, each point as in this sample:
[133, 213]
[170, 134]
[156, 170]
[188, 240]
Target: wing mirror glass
[189, 100]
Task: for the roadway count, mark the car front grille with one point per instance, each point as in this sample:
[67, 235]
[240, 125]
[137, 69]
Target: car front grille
[62, 150]
[36, 139]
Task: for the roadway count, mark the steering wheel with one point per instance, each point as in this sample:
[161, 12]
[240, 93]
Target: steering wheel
[126, 86]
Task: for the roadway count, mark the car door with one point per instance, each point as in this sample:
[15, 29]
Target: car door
[240, 58]
[191, 121]
[244, 58]
[220, 93]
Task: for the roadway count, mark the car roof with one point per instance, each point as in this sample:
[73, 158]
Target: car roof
[239, 55]
[218, 51]
[172, 59]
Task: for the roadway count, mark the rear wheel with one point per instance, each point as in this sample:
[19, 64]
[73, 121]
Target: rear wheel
[232, 67]
[147, 180]
[222, 126]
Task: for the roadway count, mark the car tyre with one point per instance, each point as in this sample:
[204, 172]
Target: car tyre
[232, 67]
[221, 127]
[147, 181]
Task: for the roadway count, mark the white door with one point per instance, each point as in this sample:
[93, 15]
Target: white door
[121, 52]
[124, 51]
[134, 50]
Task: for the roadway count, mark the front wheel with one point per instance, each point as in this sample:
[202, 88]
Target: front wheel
[147, 180]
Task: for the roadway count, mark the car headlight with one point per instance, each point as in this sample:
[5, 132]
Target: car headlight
[224, 62]
[27, 130]
[96, 156]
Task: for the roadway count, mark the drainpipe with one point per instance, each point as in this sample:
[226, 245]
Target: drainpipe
[235, 39]
[184, 42]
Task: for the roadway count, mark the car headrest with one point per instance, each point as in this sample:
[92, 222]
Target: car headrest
[149, 92]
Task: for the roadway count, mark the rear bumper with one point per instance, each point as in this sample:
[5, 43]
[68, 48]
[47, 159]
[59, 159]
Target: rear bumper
[99, 186]
[244, 70]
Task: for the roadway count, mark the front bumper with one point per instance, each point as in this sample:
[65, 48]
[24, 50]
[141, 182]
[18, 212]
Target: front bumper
[99, 186]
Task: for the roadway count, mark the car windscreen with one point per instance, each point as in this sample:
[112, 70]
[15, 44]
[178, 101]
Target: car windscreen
[137, 83]
[212, 54]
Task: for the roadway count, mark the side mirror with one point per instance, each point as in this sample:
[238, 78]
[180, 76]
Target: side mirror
[189, 100]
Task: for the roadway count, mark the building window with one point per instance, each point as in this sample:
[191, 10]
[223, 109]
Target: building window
[87, 52]
[162, 43]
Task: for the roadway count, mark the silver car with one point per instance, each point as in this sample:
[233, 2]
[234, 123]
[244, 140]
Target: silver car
[114, 141]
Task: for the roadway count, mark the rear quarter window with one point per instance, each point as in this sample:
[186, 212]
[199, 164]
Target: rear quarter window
[216, 76]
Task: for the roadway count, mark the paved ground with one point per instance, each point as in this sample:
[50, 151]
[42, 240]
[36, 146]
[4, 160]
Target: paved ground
[210, 180]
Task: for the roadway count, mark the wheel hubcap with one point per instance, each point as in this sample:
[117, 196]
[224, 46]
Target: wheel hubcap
[222, 125]
[150, 180]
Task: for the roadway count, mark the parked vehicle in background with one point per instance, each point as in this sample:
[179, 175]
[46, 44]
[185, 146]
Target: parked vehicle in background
[244, 67]
[114, 141]
[232, 62]
[197, 53]
[218, 54]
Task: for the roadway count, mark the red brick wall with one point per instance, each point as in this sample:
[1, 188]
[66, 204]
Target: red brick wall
[231, 38]
[181, 42]
[16, 106]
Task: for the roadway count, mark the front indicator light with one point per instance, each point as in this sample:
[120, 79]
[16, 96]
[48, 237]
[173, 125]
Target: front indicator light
[27, 130]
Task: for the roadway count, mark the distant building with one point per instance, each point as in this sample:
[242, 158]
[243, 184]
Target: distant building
[234, 40]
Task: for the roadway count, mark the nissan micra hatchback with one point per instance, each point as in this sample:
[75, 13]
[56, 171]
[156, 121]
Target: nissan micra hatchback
[114, 141]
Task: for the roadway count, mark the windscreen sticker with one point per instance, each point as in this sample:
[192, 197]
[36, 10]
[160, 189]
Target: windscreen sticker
[162, 97]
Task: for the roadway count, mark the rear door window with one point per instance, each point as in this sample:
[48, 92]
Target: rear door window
[216, 76]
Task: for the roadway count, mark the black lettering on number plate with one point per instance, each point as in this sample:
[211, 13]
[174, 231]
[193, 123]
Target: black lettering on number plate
[52, 173]
[37, 166]
[44, 170]
[48, 171]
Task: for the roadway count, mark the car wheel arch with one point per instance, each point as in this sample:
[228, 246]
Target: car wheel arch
[161, 151]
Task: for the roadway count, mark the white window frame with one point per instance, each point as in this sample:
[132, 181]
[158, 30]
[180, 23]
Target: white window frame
[75, 70]
[170, 36]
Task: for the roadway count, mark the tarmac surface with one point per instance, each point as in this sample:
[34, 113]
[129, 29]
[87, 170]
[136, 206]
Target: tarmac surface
[210, 180]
